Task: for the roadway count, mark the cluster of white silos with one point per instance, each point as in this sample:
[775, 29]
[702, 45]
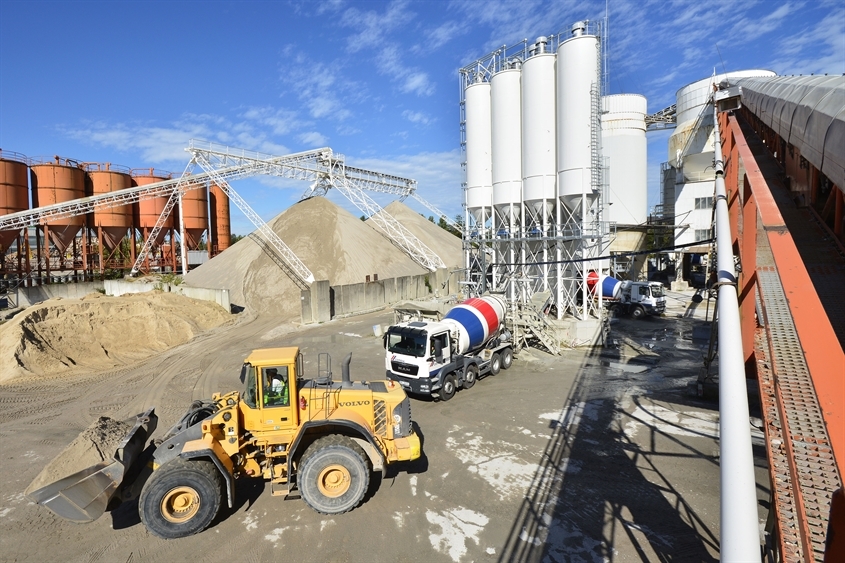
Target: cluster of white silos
[532, 124]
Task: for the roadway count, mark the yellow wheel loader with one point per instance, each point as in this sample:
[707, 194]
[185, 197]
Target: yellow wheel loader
[315, 437]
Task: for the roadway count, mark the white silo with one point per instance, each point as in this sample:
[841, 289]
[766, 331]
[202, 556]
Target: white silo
[625, 148]
[577, 78]
[507, 144]
[538, 134]
[479, 195]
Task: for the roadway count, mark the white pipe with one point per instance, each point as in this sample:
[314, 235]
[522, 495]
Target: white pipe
[183, 245]
[740, 535]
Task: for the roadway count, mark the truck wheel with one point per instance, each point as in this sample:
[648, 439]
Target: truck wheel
[637, 312]
[449, 387]
[334, 475]
[181, 498]
[507, 358]
[471, 376]
[495, 363]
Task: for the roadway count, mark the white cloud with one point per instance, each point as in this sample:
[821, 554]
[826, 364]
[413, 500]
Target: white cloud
[417, 117]
[166, 144]
[313, 139]
[418, 83]
[438, 175]
[373, 26]
[389, 62]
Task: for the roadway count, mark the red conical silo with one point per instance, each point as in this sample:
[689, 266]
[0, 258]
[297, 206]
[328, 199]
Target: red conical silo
[58, 182]
[149, 210]
[195, 215]
[221, 233]
[113, 223]
[14, 191]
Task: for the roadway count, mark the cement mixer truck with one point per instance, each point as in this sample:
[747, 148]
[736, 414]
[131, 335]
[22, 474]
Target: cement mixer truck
[438, 358]
[637, 299]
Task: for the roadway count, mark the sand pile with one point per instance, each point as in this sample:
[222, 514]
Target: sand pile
[334, 244]
[96, 443]
[442, 242]
[98, 332]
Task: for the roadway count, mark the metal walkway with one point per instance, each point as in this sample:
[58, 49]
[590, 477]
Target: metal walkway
[795, 348]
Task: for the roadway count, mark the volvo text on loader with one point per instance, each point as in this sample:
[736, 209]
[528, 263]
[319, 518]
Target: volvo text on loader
[315, 436]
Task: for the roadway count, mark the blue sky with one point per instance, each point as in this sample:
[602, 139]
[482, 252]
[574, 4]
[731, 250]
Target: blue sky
[130, 82]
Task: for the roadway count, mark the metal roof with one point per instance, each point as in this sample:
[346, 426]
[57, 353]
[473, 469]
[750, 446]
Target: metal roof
[808, 112]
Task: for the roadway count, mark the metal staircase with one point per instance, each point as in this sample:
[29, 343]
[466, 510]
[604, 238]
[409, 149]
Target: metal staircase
[530, 323]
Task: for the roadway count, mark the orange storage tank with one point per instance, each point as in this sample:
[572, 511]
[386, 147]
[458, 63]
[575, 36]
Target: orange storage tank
[14, 191]
[113, 222]
[195, 215]
[149, 210]
[58, 182]
[221, 232]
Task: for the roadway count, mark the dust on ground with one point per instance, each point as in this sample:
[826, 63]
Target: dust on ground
[96, 443]
[97, 332]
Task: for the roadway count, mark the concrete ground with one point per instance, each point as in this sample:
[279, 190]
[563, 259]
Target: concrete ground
[595, 455]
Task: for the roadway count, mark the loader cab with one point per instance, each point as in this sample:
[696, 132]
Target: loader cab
[271, 378]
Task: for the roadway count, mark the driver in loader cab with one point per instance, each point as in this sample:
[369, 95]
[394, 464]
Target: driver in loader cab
[276, 387]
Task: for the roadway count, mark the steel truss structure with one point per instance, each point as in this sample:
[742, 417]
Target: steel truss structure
[522, 250]
[221, 164]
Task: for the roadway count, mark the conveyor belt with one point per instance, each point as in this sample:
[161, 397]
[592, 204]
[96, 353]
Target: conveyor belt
[806, 452]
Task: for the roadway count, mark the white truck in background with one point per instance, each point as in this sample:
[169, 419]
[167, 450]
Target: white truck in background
[439, 357]
[634, 298]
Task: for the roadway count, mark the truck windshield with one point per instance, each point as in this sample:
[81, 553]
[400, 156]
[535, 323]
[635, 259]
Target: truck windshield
[407, 344]
[657, 290]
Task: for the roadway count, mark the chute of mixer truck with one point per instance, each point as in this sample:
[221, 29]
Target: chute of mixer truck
[438, 358]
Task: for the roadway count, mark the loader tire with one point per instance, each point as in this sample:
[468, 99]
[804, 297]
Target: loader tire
[181, 498]
[449, 387]
[507, 358]
[334, 475]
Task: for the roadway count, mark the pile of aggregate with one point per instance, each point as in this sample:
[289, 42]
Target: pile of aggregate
[334, 244]
[97, 333]
[446, 245]
[96, 443]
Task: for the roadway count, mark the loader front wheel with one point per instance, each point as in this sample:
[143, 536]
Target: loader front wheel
[181, 498]
[334, 475]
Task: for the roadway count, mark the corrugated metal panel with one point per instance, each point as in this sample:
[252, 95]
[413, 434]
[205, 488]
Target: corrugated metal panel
[808, 112]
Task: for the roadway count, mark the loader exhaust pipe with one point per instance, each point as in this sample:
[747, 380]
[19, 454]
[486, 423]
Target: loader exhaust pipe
[344, 369]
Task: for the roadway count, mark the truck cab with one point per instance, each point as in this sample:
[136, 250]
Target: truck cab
[424, 358]
[640, 299]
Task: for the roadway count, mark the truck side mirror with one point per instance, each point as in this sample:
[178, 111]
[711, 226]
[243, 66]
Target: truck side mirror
[438, 350]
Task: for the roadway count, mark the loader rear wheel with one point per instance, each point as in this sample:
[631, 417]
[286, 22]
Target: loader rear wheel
[507, 358]
[449, 387]
[334, 475]
[495, 363]
[181, 498]
[471, 376]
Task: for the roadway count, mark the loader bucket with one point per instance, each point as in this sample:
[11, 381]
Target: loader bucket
[85, 495]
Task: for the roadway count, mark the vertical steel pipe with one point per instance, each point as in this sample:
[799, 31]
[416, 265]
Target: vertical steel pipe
[740, 535]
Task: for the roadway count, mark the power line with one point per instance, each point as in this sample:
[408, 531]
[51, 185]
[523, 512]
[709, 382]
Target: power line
[615, 255]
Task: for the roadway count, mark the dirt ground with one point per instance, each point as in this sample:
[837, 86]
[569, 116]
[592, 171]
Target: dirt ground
[595, 455]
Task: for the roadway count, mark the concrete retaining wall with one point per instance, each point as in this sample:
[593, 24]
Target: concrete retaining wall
[28, 296]
[321, 303]
[121, 287]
